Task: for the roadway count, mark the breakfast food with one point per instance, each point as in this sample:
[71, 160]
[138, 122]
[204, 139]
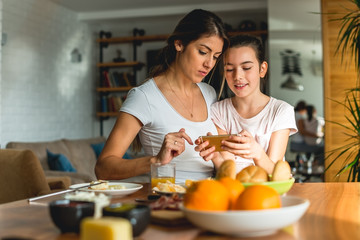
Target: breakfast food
[101, 200]
[234, 187]
[254, 174]
[104, 185]
[226, 169]
[258, 197]
[281, 171]
[109, 228]
[169, 187]
[208, 195]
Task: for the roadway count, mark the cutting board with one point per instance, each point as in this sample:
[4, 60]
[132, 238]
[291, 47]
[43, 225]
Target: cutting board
[168, 217]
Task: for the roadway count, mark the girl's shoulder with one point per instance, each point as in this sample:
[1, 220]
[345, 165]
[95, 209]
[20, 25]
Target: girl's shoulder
[279, 104]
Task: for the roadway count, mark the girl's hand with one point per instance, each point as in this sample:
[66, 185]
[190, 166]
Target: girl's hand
[244, 145]
[173, 145]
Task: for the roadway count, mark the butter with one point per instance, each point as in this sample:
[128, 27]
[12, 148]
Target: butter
[109, 228]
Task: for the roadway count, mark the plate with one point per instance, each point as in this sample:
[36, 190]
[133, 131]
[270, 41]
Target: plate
[129, 188]
[280, 186]
[250, 223]
[171, 193]
[180, 194]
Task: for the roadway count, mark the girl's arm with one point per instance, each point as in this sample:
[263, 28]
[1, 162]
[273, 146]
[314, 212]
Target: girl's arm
[246, 146]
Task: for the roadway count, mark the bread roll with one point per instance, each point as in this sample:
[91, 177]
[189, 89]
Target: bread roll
[226, 169]
[252, 174]
[281, 171]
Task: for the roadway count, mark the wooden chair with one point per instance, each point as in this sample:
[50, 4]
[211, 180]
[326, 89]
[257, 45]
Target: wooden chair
[21, 176]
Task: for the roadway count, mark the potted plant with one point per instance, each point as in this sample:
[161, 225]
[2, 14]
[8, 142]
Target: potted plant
[349, 42]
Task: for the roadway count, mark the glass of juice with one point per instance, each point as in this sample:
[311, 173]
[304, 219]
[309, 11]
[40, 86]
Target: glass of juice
[162, 173]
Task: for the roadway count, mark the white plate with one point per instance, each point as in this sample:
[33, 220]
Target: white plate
[250, 223]
[129, 188]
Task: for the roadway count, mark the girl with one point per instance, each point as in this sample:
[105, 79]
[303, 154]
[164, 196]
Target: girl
[263, 123]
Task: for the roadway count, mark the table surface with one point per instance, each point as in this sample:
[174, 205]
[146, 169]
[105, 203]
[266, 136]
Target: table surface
[334, 213]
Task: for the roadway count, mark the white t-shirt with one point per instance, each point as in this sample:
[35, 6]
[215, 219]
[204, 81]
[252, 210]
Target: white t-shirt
[315, 126]
[147, 103]
[276, 115]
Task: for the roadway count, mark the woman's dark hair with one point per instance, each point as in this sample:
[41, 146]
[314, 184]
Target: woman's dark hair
[244, 40]
[301, 105]
[196, 24]
[310, 111]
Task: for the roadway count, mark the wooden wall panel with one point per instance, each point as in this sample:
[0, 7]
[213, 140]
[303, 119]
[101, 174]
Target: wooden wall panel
[337, 78]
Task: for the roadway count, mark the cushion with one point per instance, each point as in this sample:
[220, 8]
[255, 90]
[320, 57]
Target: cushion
[98, 147]
[59, 162]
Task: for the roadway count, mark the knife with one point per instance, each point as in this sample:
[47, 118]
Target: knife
[64, 191]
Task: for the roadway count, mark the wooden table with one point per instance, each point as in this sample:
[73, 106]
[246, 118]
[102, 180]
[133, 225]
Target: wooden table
[334, 213]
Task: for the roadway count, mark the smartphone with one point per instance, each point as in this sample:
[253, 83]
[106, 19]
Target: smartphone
[215, 140]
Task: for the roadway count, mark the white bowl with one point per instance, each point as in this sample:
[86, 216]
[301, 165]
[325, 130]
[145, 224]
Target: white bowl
[250, 223]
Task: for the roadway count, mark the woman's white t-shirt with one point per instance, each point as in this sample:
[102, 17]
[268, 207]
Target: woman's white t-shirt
[276, 115]
[147, 103]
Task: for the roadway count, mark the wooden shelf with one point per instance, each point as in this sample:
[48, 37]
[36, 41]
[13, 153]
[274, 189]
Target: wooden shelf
[120, 64]
[161, 37]
[107, 114]
[257, 33]
[149, 38]
[114, 89]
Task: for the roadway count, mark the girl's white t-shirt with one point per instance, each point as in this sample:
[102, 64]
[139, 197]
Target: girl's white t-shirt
[276, 115]
[147, 103]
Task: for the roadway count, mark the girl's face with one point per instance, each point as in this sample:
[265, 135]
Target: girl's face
[199, 57]
[243, 71]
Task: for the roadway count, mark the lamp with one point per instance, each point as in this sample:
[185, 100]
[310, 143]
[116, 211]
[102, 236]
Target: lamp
[291, 66]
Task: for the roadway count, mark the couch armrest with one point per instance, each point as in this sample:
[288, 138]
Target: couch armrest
[58, 183]
[74, 176]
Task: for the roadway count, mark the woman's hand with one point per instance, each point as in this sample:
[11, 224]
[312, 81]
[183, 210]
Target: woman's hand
[208, 154]
[244, 145]
[173, 145]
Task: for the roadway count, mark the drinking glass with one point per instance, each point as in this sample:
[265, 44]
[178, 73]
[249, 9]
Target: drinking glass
[162, 173]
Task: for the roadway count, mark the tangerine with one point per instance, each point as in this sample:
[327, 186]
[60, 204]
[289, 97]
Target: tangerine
[258, 197]
[234, 187]
[208, 195]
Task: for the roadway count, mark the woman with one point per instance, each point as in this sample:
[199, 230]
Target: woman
[171, 108]
[263, 123]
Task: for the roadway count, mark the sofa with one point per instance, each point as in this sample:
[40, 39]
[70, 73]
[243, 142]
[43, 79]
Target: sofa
[79, 152]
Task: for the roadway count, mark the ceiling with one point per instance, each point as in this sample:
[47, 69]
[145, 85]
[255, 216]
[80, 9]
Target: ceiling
[92, 10]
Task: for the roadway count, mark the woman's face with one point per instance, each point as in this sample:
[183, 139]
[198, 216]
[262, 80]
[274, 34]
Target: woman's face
[199, 57]
[242, 71]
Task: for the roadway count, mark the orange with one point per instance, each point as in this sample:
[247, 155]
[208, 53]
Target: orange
[234, 187]
[257, 197]
[208, 195]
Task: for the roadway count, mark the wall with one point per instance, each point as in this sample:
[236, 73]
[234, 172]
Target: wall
[296, 25]
[44, 95]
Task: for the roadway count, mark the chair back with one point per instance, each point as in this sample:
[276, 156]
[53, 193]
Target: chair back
[21, 175]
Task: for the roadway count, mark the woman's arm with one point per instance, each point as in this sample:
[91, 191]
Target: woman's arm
[111, 165]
